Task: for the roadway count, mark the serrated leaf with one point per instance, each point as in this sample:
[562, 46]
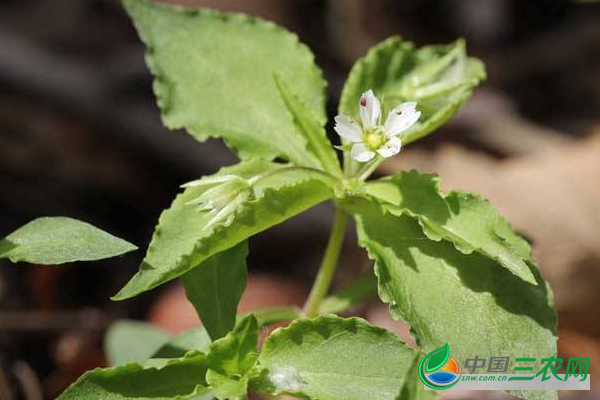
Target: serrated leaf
[180, 379]
[362, 289]
[310, 128]
[468, 301]
[465, 219]
[224, 387]
[329, 358]
[183, 238]
[192, 339]
[128, 341]
[214, 76]
[236, 353]
[59, 240]
[215, 287]
[439, 78]
[438, 359]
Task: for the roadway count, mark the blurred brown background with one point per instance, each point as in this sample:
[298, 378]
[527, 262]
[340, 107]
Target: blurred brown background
[80, 135]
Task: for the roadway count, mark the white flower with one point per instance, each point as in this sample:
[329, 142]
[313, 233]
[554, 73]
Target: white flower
[371, 137]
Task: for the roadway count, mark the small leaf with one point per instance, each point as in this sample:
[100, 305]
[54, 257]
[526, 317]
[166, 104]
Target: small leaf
[447, 296]
[439, 78]
[128, 341]
[310, 128]
[215, 287]
[185, 236]
[214, 77]
[192, 339]
[59, 240]
[236, 353]
[331, 358]
[467, 220]
[181, 378]
[362, 289]
[271, 315]
[224, 387]
[438, 359]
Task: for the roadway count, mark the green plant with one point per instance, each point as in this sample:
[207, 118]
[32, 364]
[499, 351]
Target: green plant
[447, 264]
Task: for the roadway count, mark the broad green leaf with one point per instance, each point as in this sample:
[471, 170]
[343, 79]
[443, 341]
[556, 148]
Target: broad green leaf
[184, 238]
[362, 289]
[467, 220]
[439, 78]
[59, 240]
[214, 77]
[310, 128]
[215, 287]
[181, 378]
[192, 339]
[412, 389]
[331, 358]
[235, 354]
[224, 387]
[465, 300]
[128, 341]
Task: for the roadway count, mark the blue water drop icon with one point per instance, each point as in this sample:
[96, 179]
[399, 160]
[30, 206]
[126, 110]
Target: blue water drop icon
[442, 377]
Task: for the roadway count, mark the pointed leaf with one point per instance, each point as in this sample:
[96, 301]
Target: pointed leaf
[310, 128]
[128, 341]
[468, 301]
[236, 353]
[185, 235]
[329, 358]
[59, 240]
[192, 339]
[439, 78]
[214, 77]
[467, 220]
[224, 387]
[215, 287]
[181, 378]
[271, 315]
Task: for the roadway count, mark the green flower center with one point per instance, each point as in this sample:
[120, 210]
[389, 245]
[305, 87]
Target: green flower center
[374, 138]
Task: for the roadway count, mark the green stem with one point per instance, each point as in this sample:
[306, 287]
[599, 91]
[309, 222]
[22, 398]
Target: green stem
[365, 173]
[328, 265]
[346, 165]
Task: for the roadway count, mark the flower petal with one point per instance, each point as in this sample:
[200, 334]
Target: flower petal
[401, 118]
[392, 147]
[348, 128]
[370, 109]
[360, 153]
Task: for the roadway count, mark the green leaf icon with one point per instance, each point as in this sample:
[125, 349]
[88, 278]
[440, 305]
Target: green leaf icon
[437, 358]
